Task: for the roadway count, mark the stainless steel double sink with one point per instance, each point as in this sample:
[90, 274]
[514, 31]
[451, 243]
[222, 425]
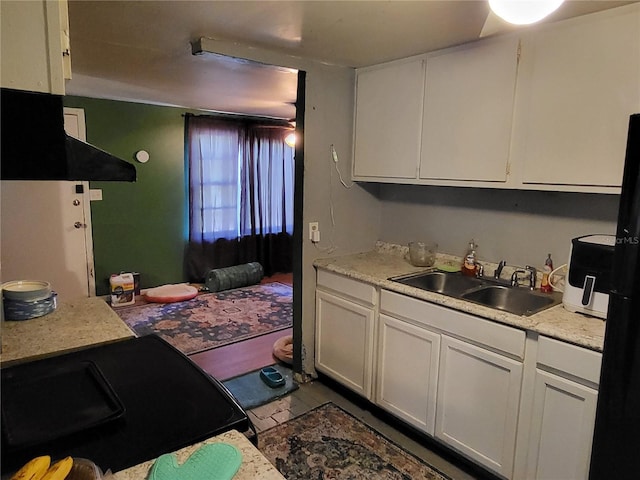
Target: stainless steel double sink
[483, 291]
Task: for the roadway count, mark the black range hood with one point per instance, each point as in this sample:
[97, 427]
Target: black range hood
[35, 146]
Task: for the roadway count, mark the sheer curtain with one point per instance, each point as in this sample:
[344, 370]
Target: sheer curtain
[240, 195]
[214, 173]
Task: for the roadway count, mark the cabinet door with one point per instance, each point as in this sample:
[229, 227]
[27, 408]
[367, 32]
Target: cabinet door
[344, 341]
[32, 45]
[577, 86]
[388, 120]
[478, 401]
[408, 371]
[468, 108]
[562, 428]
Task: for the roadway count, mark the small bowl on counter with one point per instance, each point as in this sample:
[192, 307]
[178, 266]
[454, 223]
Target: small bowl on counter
[422, 254]
[27, 299]
[26, 290]
[19, 310]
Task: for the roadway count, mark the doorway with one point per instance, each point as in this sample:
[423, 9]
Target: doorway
[46, 229]
[239, 358]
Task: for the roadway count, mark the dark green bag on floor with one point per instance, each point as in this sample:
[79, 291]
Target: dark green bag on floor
[237, 276]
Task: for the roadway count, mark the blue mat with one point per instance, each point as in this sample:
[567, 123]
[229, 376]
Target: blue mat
[251, 391]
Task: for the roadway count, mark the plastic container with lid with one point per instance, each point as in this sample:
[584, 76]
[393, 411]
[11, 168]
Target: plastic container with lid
[122, 290]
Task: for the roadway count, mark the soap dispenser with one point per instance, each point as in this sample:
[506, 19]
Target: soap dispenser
[545, 285]
[470, 261]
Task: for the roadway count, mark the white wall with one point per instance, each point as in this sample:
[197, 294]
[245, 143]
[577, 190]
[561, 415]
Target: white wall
[356, 212]
[519, 226]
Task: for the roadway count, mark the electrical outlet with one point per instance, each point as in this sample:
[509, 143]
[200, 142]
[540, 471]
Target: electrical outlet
[313, 228]
[95, 194]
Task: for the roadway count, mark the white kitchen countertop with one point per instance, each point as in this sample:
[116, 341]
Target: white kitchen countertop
[254, 464]
[385, 261]
[73, 325]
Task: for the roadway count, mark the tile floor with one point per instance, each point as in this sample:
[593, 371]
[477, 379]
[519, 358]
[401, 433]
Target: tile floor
[313, 394]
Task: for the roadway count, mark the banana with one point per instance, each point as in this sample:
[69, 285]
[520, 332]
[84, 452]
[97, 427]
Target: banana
[34, 469]
[59, 470]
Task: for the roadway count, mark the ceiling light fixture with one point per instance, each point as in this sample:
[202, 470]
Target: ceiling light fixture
[523, 12]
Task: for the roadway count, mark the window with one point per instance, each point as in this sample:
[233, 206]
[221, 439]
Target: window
[240, 179]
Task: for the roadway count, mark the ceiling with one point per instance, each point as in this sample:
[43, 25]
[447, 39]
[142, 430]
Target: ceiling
[141, 50]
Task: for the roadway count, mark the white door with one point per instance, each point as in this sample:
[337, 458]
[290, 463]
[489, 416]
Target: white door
[46, 230]
[463, 85]
[408, 372]
[564, 415]
[388, 120]
[477, 407]
[577, 86]
[344, 342]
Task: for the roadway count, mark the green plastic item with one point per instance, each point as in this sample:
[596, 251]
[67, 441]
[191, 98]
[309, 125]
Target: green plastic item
[448, 268]
[219, 461]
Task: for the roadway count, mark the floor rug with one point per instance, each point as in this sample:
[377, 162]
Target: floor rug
[328, 442]
[214, 319]
[251, 391]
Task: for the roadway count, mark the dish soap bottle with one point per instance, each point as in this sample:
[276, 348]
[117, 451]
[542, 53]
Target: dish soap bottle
[470, 263]
[545, 286]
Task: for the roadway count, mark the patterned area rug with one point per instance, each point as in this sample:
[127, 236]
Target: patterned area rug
[328, 442]
[214, 319]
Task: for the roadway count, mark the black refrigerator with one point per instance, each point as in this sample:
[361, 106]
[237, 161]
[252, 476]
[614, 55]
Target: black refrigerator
[616, 443]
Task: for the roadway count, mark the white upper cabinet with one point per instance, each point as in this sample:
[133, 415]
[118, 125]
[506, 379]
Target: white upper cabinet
[388, 120]
[579, 81]
[544, 109]
[468, 107]
[35, 45]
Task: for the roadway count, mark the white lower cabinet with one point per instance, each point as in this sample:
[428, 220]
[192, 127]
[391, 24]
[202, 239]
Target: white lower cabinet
[408, 371]
[524, 409]
[562, 428]
[477, 406]
[564, 411]
[344, 342]
[433, 366]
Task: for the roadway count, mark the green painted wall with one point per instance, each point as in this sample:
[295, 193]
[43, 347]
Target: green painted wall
[138, 227]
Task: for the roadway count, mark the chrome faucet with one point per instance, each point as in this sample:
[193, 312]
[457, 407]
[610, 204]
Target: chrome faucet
[533, 274]
[498, 271]
[514, 277]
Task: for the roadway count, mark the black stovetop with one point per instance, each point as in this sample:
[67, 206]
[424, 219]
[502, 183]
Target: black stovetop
[155, 401]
